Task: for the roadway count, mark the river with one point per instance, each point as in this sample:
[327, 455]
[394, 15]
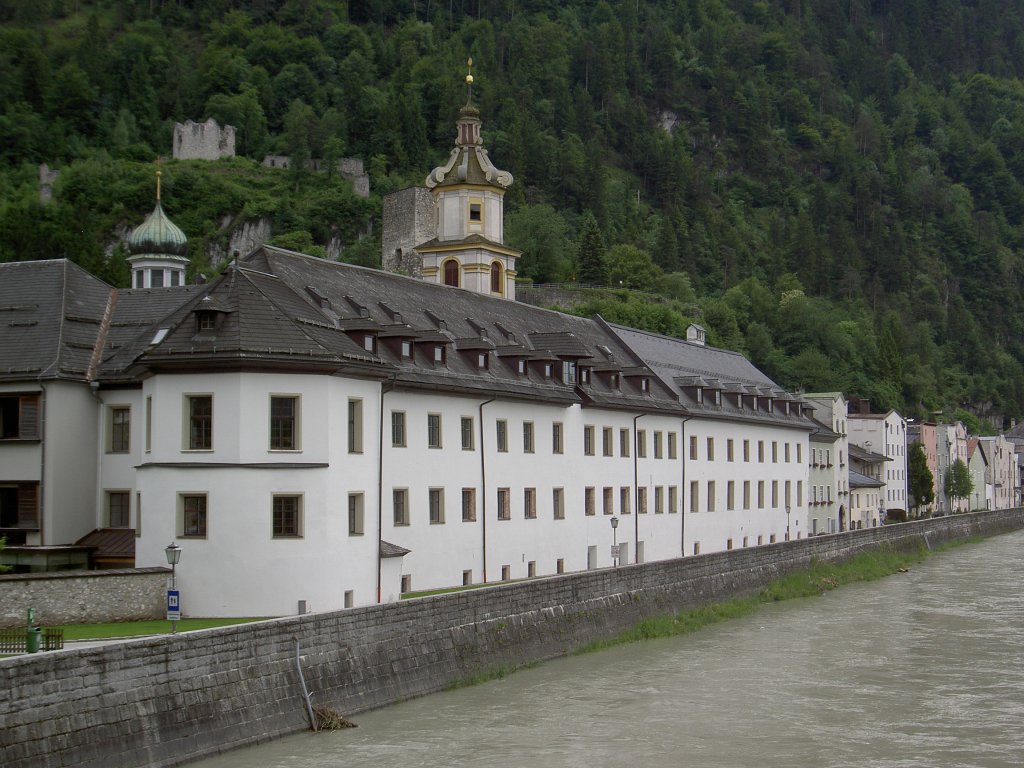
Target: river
[923, 669]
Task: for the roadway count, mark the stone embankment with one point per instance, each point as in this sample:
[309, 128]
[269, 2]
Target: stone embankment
[167, 700]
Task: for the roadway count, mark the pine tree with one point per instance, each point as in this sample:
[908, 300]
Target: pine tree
[590, 266]
[922, 481]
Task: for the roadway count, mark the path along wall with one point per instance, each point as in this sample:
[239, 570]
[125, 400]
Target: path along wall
[163, 701]
[84, 597]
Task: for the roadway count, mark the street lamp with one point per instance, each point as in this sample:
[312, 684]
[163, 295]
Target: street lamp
[787, 522]
[173, 552]
[615, 541]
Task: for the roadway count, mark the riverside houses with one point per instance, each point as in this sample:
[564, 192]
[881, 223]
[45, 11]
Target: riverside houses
[317, 435]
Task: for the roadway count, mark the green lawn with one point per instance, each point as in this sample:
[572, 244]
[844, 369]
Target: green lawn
[137, 628]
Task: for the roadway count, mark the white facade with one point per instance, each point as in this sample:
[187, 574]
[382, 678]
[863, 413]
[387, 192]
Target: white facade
[832, 473]
[885, 434]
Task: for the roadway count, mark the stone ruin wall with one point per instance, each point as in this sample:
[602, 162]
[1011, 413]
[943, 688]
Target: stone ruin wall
[409, 219]
[203, 141]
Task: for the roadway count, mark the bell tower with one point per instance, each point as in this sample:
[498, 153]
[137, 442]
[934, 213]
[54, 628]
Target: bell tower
[468, 249]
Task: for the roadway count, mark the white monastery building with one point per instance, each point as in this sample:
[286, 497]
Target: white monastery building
[317, 435]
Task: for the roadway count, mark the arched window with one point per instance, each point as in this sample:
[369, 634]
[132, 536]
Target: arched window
[496, 278]
[451, 273]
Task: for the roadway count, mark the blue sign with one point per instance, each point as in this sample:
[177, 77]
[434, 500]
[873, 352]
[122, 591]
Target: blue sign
[173, 605]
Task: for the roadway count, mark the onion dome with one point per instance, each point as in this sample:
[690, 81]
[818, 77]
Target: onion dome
[468, 162]
[158, 235]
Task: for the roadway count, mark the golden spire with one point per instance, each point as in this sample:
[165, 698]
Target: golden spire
[469, 79]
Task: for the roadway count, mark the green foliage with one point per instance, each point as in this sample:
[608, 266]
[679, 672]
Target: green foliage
[920, 478]
[730, 142]
[958, 483]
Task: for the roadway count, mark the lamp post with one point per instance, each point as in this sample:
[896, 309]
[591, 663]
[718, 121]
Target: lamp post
[173, 552]
[615, 541]
[787, 522]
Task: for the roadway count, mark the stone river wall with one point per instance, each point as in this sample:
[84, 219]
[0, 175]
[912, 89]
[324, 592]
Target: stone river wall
[166, 700]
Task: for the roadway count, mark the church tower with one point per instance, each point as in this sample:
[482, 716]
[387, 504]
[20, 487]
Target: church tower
[467, 249]
[158, 250]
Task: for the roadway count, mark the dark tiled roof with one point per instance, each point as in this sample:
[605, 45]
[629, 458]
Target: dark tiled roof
[857, 480]
[862, 454]
[683, 366]
[110, 542]
[387, 549]
[51, 316]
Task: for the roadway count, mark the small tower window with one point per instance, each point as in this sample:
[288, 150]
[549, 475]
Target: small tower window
[475, 212]
[451, 273]
[496, 281]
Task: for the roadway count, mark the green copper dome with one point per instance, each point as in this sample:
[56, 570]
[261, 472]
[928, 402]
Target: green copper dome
[158, 235]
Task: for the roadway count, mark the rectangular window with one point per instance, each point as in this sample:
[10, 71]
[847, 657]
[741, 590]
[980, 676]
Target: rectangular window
[760, 451]
[467, 578]
[608, 500]
[287, 516]
[435, 499]
[193, 515]
[641, 500]
[556, 438]
[760, 494]
[693, 447]
[799, 453]
[785, 452]
[775, 493]
[641, 444]
[119, 509]
[468, 505]
[672, 445]
[120, 429]
[659, 500]
[398, 429]
[530, 503]
[504, 504]
[711, 449]
[355, 514]
[284, 413]
[694, 495]
[433, 430]
[730, 495]
[746, 494]
[729, 450]
[355, 426]
[711, 496]
[149, 424]
[400, 505]
[746, 450]
[200, 422]
[625, 507]
[501, 435]
[527, 437]
[606, 441]
[589, 501]
[560, 565]
[588, 440]
[558, 503]
[788, 492]
[506, 573]
[658, 444]
[799, 492]
[673, 499]
[624, 441]
[775, 452]
[138, 514]
[466, 429]
[531, 569]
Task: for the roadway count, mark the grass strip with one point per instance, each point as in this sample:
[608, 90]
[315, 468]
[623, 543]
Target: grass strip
[140, 628]
[816, 579]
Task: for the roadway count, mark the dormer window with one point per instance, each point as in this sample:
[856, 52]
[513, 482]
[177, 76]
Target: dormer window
[522, 368]
[699, 395]
[481, 360]
[369, 343]
[406, 350]
[584, 375]
[613, 381]
[547, 370]
[206, 321]
[439, 354]
[568, 372]
[645, 384]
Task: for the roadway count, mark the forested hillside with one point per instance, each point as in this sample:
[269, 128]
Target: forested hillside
[833, 187]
